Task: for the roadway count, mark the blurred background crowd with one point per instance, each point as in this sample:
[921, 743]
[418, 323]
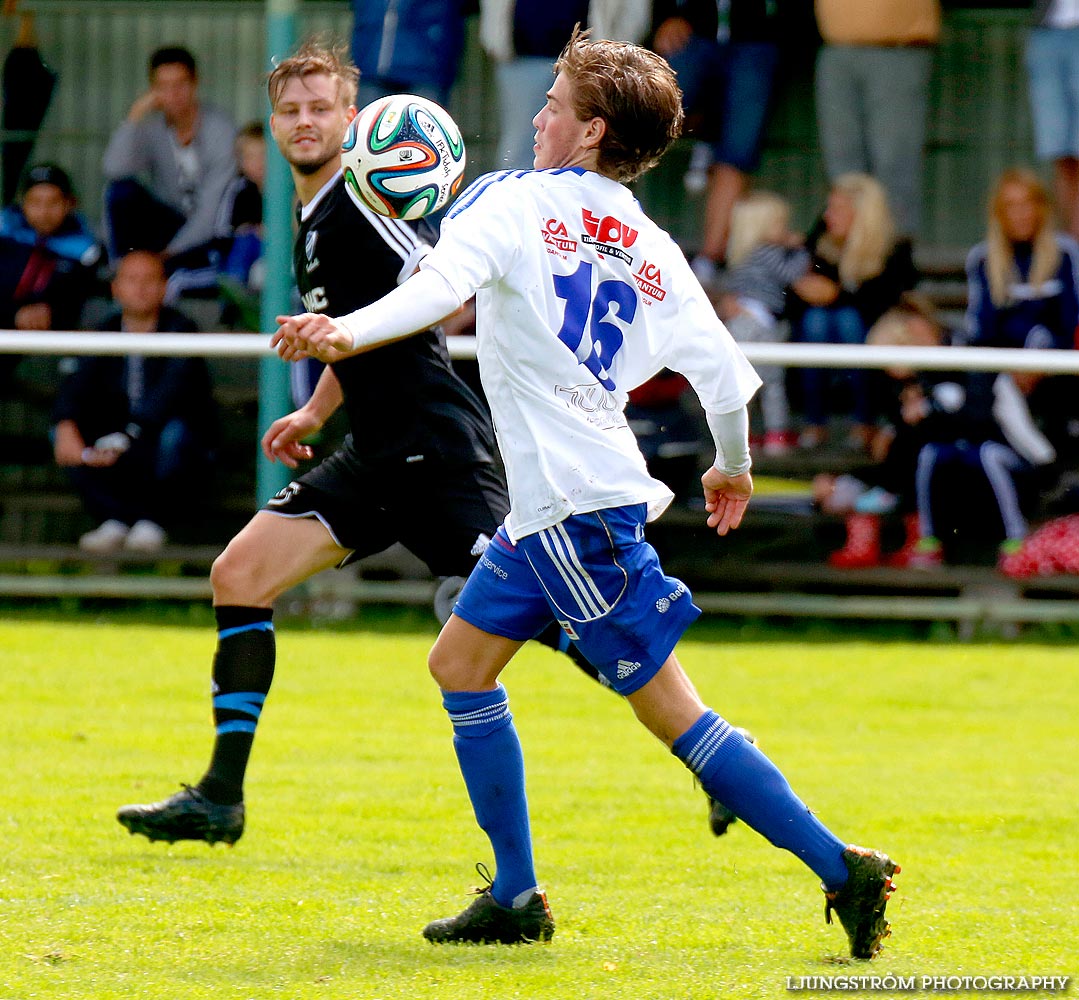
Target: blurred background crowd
[893, 172]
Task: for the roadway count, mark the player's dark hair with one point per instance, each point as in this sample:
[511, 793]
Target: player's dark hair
[312, 58]
[173, 55]
[634, 91]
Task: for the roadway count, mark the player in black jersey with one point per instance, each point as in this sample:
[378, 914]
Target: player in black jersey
[420, 441]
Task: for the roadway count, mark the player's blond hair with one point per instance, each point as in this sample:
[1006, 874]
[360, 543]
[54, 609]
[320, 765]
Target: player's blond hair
[755, 217]
[1000, 257]
[865, 251]
[634, 91]
[316, 57]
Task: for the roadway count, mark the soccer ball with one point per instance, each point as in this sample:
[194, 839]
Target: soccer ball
[403, 157]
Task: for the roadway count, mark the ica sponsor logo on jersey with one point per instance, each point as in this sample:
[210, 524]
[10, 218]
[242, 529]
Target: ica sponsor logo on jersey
[649, 280]
[608, 235]
[556, 235]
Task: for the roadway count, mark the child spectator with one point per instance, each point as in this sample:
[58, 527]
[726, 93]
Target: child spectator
[132, 431]
[884, 486]
[867, 268]
[765, 259]
[240, 228]
[48, 257]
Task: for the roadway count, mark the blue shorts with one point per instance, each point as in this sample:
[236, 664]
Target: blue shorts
[599, 579]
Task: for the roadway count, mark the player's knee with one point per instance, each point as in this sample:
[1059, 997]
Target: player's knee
[233, 580]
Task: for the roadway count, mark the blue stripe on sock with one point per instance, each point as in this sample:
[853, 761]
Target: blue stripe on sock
[237, 726]
[266, 626]
[249, 702]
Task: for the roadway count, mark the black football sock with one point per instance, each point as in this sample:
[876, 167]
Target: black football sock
[243, 672]
[554, 638]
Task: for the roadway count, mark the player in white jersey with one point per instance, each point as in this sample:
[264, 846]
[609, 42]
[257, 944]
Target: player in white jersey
[579, 298]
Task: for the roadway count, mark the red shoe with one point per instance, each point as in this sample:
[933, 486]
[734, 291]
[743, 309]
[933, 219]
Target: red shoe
[927, 554]
[862, 549]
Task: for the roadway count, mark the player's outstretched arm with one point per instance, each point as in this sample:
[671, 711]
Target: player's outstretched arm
[415, 305]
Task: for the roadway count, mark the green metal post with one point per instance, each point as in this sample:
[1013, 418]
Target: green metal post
[274, 400]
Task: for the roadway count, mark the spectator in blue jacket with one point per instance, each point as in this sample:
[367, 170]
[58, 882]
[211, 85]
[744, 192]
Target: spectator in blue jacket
[48, 257]
[1023, 279]
[408, 47]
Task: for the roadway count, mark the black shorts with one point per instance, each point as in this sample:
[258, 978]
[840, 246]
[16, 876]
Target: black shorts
[436, 510]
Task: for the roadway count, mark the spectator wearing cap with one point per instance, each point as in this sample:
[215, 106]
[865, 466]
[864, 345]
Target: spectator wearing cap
[48, 259]
[167, 166]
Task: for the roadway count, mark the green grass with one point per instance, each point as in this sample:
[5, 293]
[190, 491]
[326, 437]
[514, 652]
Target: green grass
[958, 760]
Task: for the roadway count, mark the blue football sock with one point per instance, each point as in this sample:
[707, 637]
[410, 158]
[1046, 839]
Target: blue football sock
[734, 771]
[489, 754]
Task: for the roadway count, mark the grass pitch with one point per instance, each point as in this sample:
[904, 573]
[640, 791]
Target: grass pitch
[960, 761]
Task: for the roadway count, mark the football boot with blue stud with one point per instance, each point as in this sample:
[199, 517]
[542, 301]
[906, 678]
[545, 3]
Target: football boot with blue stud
[860, 904]
[484, 921]
[719, 816]
[187, 815]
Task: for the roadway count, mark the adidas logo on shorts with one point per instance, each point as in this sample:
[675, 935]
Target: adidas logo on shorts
[626, 668]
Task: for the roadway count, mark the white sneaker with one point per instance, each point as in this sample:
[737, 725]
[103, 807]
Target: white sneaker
[145, 536]
[107, 537]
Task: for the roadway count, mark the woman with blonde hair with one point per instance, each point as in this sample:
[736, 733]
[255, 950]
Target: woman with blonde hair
[1022, 279]
[867, 268]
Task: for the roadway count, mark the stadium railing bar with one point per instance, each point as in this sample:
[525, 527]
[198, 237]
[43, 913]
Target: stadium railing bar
[975, 598]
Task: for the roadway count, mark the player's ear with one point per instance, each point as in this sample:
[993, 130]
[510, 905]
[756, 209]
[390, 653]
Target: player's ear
[350, 112]
[594, 133]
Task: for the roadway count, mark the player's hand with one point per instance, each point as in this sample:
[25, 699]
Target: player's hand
[311, 335]
[283, 439]
[725, 498]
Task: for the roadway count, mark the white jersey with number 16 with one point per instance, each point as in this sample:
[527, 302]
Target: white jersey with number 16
[580, 298]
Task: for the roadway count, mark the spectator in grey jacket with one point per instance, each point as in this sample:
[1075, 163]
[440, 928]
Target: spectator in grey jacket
[167, 166]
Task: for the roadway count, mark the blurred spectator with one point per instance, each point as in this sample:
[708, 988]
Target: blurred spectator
[1053, 69]
[884, 486]
[135, 432]
[28, 85]
[166, 168]
[523, 38]
[240, 227]
[942, 426]
[764, 259]
[408, 47]
[866, 268]
[48, 257]
[1022, 284]
[872, 92]
[725, 53]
